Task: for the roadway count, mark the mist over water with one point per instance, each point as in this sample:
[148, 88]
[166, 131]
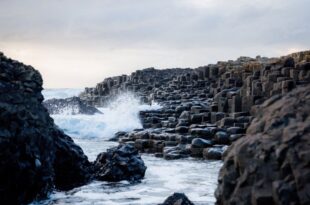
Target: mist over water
[196, 178]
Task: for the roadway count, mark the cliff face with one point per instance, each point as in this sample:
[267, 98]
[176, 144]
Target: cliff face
[34, 155]
[270, 165]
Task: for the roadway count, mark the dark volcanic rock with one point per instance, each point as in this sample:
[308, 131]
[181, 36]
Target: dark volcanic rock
[177, 199]
[117, 136]
[176, 152]
[215, 153]
[120, 163]
[201, 143]
[71, 166]
[34, 155]
[73, 105]
[142, 82]
[211, 102]
[270, 165]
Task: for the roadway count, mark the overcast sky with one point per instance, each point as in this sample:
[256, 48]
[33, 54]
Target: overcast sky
[77, 43]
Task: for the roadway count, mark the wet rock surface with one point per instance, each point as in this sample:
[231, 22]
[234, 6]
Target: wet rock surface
[72, 106]
[141, 82]
[270, 165]
[211, 103]
[177, 199]
[120, 163]
[203, 111]
[35, 156]
[71, 166]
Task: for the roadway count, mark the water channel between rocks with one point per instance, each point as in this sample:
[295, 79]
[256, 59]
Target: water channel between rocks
[196, 178]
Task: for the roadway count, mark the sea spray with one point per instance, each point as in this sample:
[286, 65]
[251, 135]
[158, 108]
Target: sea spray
[195, 178]
[120, 114]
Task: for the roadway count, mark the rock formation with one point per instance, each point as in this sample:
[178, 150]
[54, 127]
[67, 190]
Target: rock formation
[120, 163]
[35, 156]
[177, 199]
[72, 106]
[141, 82]
[271, 164]
[204, 110]
[209, 105]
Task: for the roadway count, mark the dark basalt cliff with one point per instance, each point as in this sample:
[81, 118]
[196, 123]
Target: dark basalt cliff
[271, 164]
[34, 155]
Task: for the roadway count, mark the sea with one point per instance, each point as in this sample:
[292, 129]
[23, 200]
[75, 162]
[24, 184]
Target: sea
[195, 177]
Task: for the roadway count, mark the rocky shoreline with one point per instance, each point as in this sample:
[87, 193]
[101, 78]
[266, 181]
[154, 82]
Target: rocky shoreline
[207, 109]
[36, 157]
[204, 110]
[253, 113]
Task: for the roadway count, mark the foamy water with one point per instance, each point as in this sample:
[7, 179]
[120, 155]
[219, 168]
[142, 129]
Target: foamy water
[196, 178]
[120, 115]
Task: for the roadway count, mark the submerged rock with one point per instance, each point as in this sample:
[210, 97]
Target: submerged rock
[177, 199]
[73, 105]
[120, 163]
[270, 165]
[34, 155]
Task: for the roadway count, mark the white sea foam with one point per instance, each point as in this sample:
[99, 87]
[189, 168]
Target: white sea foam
[197, 179]
[121, 114]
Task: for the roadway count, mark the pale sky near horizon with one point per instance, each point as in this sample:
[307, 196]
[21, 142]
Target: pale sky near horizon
[77, 43]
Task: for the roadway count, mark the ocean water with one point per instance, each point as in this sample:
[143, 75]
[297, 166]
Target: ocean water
[61, 93]
[196, 178]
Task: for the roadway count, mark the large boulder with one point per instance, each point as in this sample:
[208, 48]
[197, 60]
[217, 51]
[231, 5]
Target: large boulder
[71, 165]
[177, 199]
[120, 163]
[271, 164]
[34, 154]
[201, 143]
[72, 106]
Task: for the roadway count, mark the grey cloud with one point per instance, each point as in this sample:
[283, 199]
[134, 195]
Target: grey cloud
[153, 22]
[170, 29]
